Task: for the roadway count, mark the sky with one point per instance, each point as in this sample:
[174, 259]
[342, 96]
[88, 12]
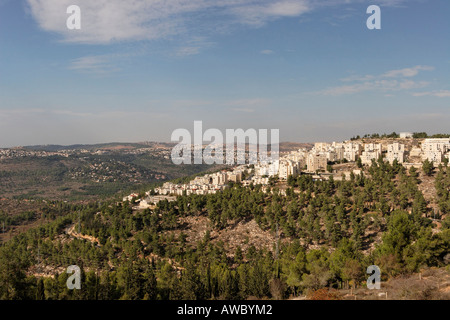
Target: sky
[138, 70]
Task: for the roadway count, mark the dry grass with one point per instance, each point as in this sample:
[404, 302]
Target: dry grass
[432, 284]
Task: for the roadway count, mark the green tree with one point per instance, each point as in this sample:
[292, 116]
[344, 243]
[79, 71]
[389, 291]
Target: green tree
[359, 163]
[427, 167]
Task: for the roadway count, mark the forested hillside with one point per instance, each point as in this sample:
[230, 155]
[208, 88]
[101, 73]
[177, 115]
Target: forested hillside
[86, 176]
[323, 234]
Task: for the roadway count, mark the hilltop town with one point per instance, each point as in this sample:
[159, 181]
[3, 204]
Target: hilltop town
[323, 160]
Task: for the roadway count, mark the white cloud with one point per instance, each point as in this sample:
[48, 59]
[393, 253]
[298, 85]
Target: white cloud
[358, 78]
[93, 64]
[102, 64]
[407, 72]
[398, 73]
[107, 21]
[379, 85]
[257, 13]
[384, 82]
[193, 46]
[267, 52]
[439, 94]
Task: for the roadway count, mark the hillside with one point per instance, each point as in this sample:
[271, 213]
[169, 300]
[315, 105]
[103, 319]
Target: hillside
[242, 242]
[89, 175]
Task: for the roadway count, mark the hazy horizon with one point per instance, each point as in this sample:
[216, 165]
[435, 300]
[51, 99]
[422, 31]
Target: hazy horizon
[174, 143]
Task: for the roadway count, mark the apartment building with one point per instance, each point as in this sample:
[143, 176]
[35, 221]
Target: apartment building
[371, 151]
[316, 161]
[435, 149]
[395, 151]
[352, 151]
[321, 147]
[287, 168]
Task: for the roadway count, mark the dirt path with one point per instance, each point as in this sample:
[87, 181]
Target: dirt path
[71, 232]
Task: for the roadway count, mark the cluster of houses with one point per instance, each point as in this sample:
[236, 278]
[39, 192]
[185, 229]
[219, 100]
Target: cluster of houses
[309, 161]
[149, 200]
[317, 159]
[207, 184]
[436, 150]
[19, 152]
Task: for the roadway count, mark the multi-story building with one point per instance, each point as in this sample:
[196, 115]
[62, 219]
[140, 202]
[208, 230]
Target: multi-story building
[352, 151]
[316, 161]
[321, 147]
[267, 169]
[288, 168]
[435, 149]
[339, 151]
[331, 155]
[235, 177]
[299, 157]
[371, 151]
[396, 151]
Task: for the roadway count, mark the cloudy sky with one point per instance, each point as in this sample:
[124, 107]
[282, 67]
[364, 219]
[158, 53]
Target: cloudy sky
[137, 70]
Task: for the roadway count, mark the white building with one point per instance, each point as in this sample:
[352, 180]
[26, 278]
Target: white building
[395, 151]
[352, 151]
[288, 168]
[435, 149]
[321, 147]
[316, 161]
[130, 197]
[339, 151]
[406, 135]
[371, 151]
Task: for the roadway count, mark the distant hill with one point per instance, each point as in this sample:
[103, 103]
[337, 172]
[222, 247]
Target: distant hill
[109, 145]
[89, 175]
[291, 146]
[284, 146]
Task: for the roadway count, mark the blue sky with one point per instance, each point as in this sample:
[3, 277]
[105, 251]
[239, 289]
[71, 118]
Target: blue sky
[137, 70]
